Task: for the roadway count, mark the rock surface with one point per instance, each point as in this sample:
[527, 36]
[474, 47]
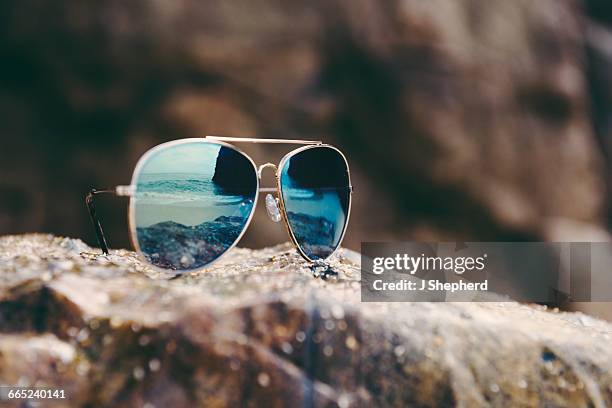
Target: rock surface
[258, 329]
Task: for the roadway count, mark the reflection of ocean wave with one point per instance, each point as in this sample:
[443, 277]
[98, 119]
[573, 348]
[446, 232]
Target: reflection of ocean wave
[182, 188]
[187, 199]
[307, 193]
[191, 185]
[300, 193]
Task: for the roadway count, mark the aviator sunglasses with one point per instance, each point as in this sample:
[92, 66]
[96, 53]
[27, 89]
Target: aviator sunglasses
[191, 200]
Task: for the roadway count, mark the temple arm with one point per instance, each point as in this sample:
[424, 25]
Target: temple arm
[89, 201]
[269, 141]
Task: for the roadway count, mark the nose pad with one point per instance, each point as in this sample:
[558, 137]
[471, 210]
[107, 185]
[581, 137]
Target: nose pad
[272, 208]
[265, 166]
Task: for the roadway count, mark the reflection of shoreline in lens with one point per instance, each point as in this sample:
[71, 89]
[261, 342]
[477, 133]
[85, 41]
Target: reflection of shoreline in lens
[184, 223]
[185, 187]
[176, 246]
[189, 215]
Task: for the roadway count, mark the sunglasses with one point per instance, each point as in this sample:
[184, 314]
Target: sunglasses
[191, 200]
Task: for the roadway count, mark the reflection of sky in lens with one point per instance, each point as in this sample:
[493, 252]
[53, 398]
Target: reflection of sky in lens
[196, 159]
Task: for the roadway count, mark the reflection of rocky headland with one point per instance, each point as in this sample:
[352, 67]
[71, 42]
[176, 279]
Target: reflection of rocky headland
[314, 234]
[172, 245]
[234, 174]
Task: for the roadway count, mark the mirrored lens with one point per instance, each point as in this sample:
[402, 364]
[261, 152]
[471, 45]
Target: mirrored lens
[192, 202]
[316, 196]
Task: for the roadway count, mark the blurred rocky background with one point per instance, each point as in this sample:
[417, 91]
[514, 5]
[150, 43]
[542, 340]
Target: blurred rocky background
[471, 119]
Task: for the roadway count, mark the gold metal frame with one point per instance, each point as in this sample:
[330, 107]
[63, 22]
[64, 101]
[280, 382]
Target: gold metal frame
[130, 190]
[268, 141]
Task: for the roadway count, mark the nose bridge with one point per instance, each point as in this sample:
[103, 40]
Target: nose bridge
[264, 166]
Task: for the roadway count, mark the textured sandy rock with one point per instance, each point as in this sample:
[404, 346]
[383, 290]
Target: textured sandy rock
[258, 328]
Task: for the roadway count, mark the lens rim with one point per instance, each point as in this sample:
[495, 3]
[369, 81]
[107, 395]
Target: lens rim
[132, 210]
[279, 171]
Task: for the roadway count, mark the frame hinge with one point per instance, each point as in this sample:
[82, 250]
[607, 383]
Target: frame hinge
[125, 191]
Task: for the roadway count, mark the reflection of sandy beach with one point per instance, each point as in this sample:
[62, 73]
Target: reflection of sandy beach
[150, 214]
